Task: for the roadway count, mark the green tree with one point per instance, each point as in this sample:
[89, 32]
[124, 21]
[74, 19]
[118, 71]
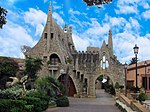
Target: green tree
[100, 78]
[8, 68]
[32, 66]
[3, 13]
[117, 85]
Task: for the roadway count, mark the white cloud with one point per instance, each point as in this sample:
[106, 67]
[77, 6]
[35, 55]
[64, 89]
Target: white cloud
[55, 7]
[45, 1]
[36, 18]
[39, 29]
[58, 19]
[146, 5]
[127, 6]
[146, 14]
[12, 36]
[132, 25]
[14, 1]
[97, 29]
[127, 10]
[78, 40]
[73, 12]
[124, 43]
[115, 21]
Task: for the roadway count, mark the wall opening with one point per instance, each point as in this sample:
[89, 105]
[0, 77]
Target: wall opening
[104, 83]
[52, 35]
[54, 59]
[45, 35]
[70, 84]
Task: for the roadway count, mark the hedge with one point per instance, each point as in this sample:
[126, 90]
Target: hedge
[62, 101]
[39, 105]
[8, 105]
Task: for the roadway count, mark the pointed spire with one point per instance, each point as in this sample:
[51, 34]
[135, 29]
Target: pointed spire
[110, 33]
[104, 44]
[49, 18]
[110, 42]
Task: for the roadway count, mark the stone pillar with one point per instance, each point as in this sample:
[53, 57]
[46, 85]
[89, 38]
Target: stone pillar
[91, 87]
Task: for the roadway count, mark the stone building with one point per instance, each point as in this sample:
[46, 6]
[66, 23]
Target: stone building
[80, 69]
[143, 78]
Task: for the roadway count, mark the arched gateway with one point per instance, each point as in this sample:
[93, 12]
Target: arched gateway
[70, 84]
[56, 46]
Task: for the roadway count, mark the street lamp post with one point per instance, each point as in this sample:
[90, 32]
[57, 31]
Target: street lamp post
[136, 48]
[125, 67]
[145, 64]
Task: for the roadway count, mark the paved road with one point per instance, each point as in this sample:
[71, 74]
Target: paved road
[103, 103]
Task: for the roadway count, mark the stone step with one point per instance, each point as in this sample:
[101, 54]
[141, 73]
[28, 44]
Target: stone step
[124, 106]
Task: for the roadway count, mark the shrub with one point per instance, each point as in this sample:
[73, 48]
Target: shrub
[109, 89]
[35, 93]
[112, 90]
[130, 87]
[142, 97]
[15, 110]
[50, 86]
[136, 89]
[121, 86]
[52, 103]
[10, 93]
[36, 102]
[8, 105]
[117, 85]
[39, 104]
[29, 108]
[62, 101]
[100, 78]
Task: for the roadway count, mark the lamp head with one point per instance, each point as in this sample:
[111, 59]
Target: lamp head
[125, 65]
[145, 63]
[136, 49]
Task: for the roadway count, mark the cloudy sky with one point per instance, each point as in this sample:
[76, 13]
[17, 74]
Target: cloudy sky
[129, 21]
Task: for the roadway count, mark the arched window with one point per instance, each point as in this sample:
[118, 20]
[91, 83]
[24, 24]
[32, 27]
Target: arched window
[101, 64]
[107, 64]
[104, 62]
[54, 59]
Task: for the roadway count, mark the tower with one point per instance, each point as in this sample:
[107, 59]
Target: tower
[110, 42]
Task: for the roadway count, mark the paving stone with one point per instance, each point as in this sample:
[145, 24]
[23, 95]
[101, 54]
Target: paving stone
[103, 103]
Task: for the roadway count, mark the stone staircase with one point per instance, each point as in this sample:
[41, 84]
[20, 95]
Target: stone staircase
[124, 106]
[80, 81]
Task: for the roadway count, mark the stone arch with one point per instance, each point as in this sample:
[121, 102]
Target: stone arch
[72, 88]
[98, 82]
[106, 75]
[96, 91]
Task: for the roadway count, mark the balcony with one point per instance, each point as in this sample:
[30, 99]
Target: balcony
[53, 67]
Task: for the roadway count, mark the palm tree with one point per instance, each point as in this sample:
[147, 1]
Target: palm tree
[50, 86]
[133, 61]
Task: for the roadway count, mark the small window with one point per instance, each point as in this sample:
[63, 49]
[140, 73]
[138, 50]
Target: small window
[45, 35]
[101, 64]
[78, 75]
[45, 58]
[52, 35]
[107, 64]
